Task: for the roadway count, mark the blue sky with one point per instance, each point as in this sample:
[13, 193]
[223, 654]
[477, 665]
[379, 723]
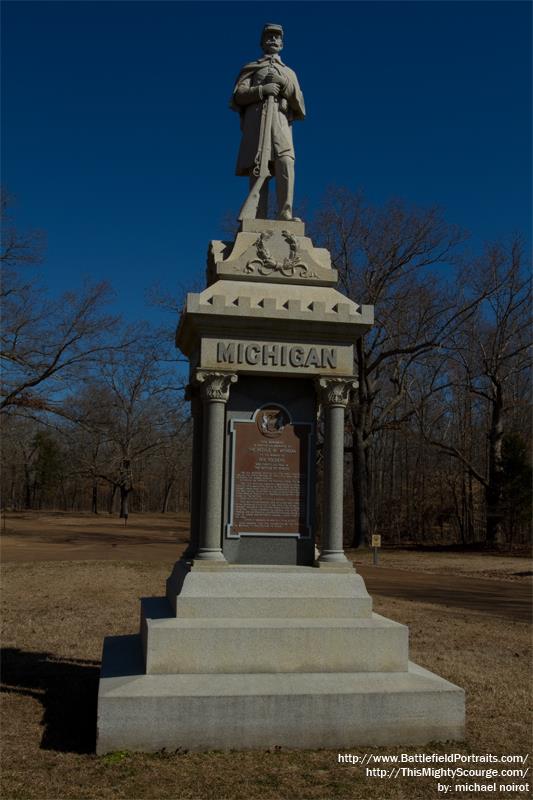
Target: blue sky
[118, 141]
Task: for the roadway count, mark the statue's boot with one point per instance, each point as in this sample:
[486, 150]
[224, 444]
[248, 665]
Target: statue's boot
[284, 170]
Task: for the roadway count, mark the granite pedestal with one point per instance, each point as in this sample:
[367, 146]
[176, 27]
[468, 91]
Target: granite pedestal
[258, 657]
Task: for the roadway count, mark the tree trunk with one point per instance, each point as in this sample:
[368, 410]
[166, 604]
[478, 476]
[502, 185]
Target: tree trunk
[359, 457]
[12, 490]
[464, 521]
[124, 492]
[166, 497]
[94, 499]
[493, 492]
[27, 481]
[64, 497]
[392, 486]
[125, 486]
[111, 500]
[360, 489]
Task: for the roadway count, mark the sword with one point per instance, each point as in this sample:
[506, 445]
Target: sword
[261, 161]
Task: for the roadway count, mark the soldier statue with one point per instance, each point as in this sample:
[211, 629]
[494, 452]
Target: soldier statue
[268, 98]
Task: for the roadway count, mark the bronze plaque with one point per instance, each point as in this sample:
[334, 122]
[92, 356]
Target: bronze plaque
[270, 475]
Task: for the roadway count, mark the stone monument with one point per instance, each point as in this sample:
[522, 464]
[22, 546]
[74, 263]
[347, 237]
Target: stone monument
[260, 641]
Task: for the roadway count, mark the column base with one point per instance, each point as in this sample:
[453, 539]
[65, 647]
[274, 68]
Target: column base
[209, 554]
[332, 557]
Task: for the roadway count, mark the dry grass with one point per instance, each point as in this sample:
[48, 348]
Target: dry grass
[55, 616]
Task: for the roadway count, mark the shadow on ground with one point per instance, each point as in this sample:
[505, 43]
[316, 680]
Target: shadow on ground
[67, 690]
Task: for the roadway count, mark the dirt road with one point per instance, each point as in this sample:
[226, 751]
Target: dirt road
[510, 600]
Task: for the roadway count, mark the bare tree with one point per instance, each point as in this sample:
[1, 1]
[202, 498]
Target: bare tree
[487, 360]
[139, 398]
[45, 343]
[387, 257]
[19, 248]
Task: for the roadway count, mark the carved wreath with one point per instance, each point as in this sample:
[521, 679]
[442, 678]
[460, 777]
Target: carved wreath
[265, 264]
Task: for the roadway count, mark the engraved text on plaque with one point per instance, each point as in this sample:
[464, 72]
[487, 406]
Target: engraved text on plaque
[270, 475]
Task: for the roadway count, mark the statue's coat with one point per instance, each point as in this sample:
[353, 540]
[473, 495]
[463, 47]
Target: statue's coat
[289, 106]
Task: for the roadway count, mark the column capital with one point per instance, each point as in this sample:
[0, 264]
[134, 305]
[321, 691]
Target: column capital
[335, 391]
[215, 386]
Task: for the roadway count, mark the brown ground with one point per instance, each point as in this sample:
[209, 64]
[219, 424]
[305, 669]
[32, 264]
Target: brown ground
[58, 536]
[56, 612]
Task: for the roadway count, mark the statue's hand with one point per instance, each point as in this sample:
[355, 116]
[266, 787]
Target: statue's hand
[271, 88]
[273, 77]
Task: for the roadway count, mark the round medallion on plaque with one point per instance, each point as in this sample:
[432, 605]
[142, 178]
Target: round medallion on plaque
[271, 420]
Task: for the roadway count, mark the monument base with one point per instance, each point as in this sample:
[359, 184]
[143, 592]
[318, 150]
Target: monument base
[258, 711]
[257, 657]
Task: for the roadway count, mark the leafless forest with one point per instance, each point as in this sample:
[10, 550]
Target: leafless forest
[438, 436]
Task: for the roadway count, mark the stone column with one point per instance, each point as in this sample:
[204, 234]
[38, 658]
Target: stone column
[192, 394]
[214, 388]
[334, 396]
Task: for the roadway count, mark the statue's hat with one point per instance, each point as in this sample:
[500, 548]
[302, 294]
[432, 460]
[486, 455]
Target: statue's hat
[271, 26]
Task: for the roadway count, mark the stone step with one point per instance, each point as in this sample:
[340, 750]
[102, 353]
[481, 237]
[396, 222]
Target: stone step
[218, 645]
[246, 711]
[257, 592]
